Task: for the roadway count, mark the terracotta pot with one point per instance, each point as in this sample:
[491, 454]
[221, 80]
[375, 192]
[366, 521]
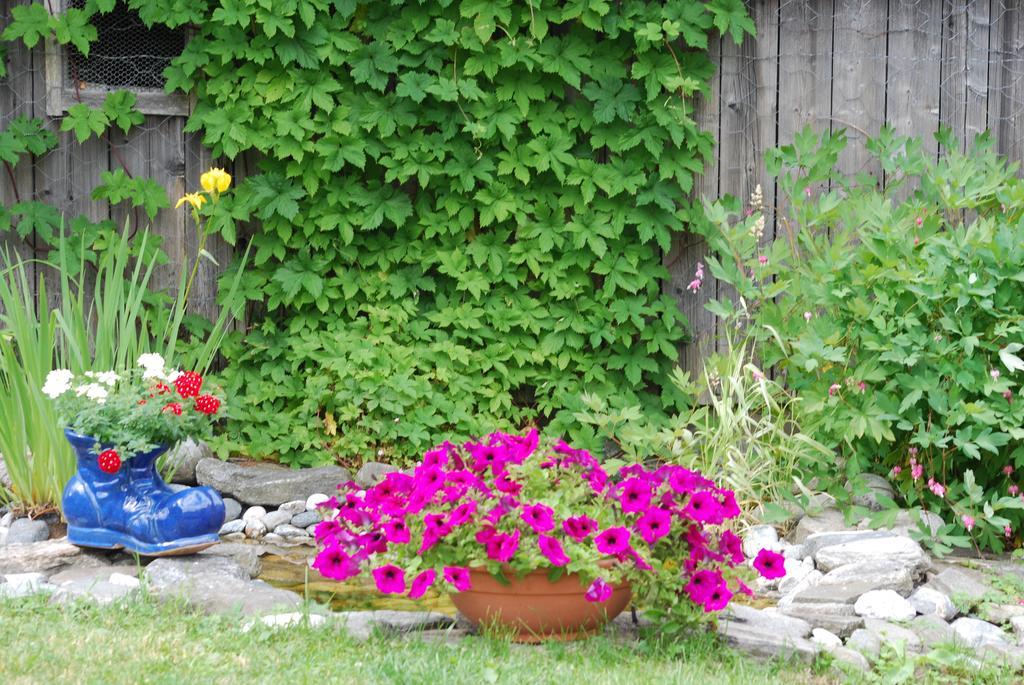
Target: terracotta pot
[535, 609]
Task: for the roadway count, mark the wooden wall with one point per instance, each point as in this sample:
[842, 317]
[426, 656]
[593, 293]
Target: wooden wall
[853, 64]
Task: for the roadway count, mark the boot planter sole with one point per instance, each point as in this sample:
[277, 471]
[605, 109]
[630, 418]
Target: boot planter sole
[101, 538]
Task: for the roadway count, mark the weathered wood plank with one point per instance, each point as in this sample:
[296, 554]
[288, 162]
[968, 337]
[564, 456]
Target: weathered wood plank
[805, 76]
[688, 249]
[858, 80]
[1006, 74]
[963, 98]
[976, 108]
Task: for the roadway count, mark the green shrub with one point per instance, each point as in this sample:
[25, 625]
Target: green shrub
[460, 210]
[897, 316]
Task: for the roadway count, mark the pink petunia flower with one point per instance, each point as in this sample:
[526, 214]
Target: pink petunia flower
[654, 525]
[702, 584]
[421, 583]
[552, 549]
[539, 517]
[702, 507]
[462, 514]
[718, 598]
[458, 577]
[635, 496]
[390, 579]
[612, 540]
[333, 562]
[579, 528]
[396, 531]
[770, 564]
[599, 591]
[731, 545]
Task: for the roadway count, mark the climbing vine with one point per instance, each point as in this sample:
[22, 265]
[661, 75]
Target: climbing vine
[460, 211]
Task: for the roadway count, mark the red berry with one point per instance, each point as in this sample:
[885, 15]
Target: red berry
[109, 461]
[207, 404]
[189, 384]
[174, 408]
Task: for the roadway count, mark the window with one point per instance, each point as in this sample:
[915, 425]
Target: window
[126, 55]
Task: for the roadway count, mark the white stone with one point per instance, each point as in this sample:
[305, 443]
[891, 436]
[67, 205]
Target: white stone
[236, 526]
[893, 548]
[804, 583]
[932, 602]
[795, 552]
[827, 640]
[887, 605]
[758, 538]
[1017, 623]
[796, 571]
[254, 514]
[315, 499]
[7, 519]
[124, 580]
[254, 528]
[294, 507]
[24, 584]
[273, 537]
[974, 632]
[276, 518]
[286, 620]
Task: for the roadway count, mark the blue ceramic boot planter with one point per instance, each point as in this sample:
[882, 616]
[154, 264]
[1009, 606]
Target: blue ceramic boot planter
[134, 509]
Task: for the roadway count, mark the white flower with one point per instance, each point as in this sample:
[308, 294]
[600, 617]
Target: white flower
[152, 365]
[57, 383]
[94, 391]
[104, 377]
[172, 375]
[972, 279]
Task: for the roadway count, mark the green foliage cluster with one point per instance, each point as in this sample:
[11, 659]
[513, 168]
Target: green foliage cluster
[897, 316]
[461, 207]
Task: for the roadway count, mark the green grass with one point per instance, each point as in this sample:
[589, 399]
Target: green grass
[142, 642]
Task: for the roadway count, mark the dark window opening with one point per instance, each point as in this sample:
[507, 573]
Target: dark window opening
[126, 53]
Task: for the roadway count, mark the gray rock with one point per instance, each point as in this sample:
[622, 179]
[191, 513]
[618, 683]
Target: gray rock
[906, 523]
[932, 630]
[758, 538]
[890, 547]
[361, 624]
[236, 526]
[272, 538]
[865, 642]
[931, 602]
[875, 486]
[835, 618]
[48, 555]
[7, 519]
[844, 592]
[233, 537]
[95, 574]
[818, 541]
[766, 634]
[974, 632]
[27, 531]
[826, 640]
[879, 574]
[884, 604]
[216, 585]
[276, 518]
[254, 513]
[794, 552]
[306, 519]
[371, 473]
[24, 584]
[184, 459]
[890, 632]
[794, 589]
[851, 658]
[289, 532]
[1017, 623]
[268, 485]
[98, 591]
[796, 572]
[961, 582]
[232, 509]
[827, 521]
[255, 529]
[246, 556]
[294, 507]
[999, 613]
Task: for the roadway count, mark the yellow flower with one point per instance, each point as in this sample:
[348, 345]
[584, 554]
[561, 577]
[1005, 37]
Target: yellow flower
[194, 199]
[215, 180]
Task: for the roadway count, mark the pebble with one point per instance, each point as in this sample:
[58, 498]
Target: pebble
[314, 500]
[254, 513]
[930, 602]
[232, 509]
[276, 518]
[236, 526]
[124, 580]
[26, 531]
[294, 507]
[254, 528]
[286, 530]
[826, 639]
[234, 537]
[273, 537]
[306, 519]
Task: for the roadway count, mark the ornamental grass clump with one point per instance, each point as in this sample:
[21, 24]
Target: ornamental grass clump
[133, 412]
[510, 505]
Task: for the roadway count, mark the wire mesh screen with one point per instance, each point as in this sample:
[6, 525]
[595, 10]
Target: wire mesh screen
[126, 53]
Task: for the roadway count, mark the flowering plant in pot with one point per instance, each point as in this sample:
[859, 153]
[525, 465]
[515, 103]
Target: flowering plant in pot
[119, 424]
[543, 540]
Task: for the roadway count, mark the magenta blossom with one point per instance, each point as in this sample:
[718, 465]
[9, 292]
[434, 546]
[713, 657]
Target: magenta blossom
[458, 577]
[731, 545]
[702, 584]
[703, 507]
[462, 514]
[334, 563]
[599, 591]
[718, 598]
[635, 496]
[502, 547]
[422, 583]
[579, 528]
[770, 564]
[539, 517]
[552, 549]
[390, 579]
[613, 540]
[396, 531]
[654, 525]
